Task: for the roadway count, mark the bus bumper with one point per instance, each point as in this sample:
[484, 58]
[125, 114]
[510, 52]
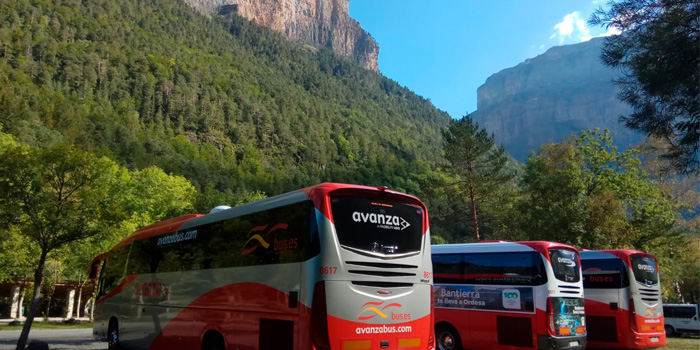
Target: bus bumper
[547, 342]
[648, 340]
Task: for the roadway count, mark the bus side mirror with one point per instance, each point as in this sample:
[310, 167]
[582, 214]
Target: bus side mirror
[94, 270]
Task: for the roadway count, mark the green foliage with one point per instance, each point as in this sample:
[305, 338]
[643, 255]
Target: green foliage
[220, 101]
[53, 195]
[152, 196]
[585, 193]
[16, 255]
[658, 54]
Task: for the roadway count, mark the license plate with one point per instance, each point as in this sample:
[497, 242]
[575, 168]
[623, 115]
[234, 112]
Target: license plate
[654, 339]
[573, 343]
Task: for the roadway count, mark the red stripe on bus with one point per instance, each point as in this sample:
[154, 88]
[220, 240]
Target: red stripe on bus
[373, 303]
[233, 310]
[278, 227]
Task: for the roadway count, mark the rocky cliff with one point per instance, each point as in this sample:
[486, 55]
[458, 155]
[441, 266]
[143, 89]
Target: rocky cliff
[546, 98]
[320, 23]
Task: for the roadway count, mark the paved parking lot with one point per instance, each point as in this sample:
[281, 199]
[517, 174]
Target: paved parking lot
[58, 339]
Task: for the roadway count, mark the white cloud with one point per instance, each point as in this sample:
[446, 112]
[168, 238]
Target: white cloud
[572, 27]
[611, 31]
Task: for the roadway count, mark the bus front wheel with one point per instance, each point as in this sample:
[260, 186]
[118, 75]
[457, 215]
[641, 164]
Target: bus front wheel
[447, 338]
[213, 341]
[113, 335]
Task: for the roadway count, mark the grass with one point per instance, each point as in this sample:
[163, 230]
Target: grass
[49, 325]
[683, 343]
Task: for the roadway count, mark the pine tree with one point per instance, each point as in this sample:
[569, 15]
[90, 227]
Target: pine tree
[480, 164]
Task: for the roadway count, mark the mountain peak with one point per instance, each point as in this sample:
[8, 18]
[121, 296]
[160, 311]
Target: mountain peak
[320, 23]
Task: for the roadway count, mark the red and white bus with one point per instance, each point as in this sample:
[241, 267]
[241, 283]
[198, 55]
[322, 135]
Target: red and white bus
[508, 295]
[623, 299]
[332, 266]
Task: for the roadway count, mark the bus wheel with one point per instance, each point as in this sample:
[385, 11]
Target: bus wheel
[213, 341]
[670, 332]
[113, 335]
[447, 338]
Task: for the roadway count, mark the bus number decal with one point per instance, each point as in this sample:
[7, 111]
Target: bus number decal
[329, 270]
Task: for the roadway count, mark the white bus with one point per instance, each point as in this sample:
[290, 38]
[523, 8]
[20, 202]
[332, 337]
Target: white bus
[332, 266]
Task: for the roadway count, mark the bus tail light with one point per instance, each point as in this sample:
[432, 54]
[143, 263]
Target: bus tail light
[633, 316]
[431, 336]
[550, 317]
[319, 318]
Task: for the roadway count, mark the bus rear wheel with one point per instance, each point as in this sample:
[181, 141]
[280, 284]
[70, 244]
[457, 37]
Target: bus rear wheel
[670, 332]
[447, 338]
[113, 335]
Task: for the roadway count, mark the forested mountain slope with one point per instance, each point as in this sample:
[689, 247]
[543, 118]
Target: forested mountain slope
[219, 100]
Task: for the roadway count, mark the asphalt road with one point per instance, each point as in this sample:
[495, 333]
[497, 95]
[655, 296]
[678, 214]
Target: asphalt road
[58, 339]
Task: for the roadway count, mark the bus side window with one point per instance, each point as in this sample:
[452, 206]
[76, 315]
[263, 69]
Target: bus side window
[447, 268]
[113, 271]
[512, 268]
[314, 245]
[141, 251]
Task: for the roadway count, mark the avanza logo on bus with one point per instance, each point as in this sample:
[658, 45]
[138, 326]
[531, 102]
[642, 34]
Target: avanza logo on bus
[371, 310]
[645, 267]
[382, 220]
[568, 261]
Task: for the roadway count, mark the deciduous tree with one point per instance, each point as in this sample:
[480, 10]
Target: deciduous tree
[586, 193]
[53, 197]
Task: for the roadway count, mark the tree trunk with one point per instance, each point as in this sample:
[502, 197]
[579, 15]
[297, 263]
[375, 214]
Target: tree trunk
[38, 277]
[48, 305]
[475, 220]
[678, 291]
[80, 299]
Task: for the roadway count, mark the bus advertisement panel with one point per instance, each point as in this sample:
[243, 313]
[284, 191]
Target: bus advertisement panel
[331, 266]
[508, 295]
[623, 299]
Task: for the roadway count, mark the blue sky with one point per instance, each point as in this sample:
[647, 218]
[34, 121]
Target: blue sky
[445, 49]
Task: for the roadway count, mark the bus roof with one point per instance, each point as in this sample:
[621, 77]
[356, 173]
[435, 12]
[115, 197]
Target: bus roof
[595, 254]
[623, 254]
[499, 246]
[317, 194]
[488, 247]
[158, 228]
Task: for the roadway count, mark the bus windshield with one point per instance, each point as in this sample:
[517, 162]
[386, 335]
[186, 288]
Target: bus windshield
[604, 274]
[644, 269]
[370, 225]
[565, 265]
